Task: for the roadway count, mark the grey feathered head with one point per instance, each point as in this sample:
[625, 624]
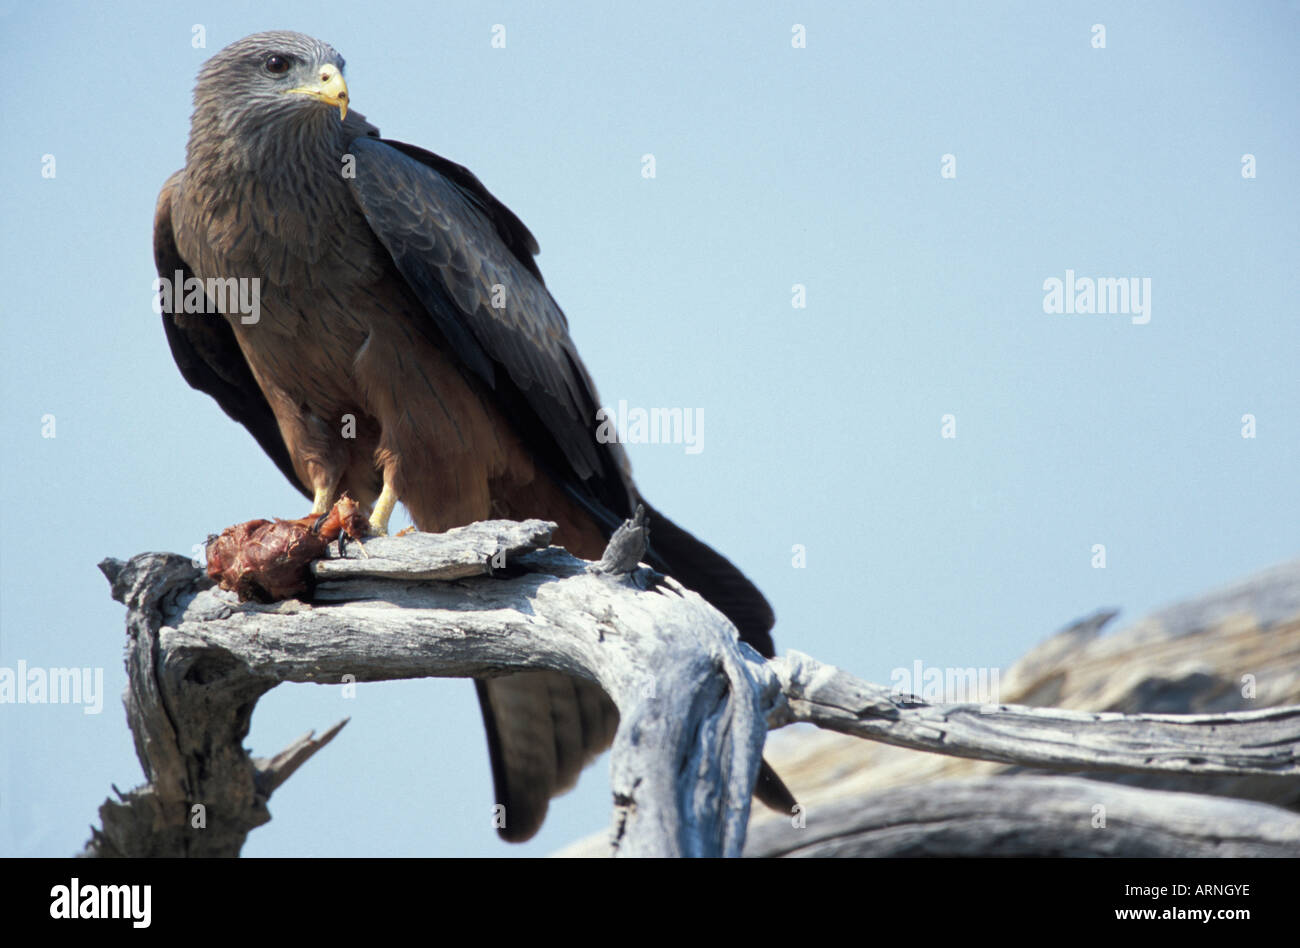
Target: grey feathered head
[270, 82]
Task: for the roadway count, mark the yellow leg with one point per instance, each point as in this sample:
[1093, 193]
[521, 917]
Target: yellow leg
[322, 503]
[383, 510]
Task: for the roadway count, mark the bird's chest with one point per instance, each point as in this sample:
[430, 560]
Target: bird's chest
[305, 266]
[305, 341]
[308, 238]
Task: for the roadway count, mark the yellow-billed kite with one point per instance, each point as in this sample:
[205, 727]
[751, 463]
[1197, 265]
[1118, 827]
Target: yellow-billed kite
[394, 290]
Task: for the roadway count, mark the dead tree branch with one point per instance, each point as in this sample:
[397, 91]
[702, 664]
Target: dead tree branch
[494, 598]
[1266, 741]
[1032, 816]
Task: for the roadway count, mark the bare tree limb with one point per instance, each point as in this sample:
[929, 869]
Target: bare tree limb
[491, 599]
[693, 705]
[271, 772]
[1033, 816]
[1258, 742]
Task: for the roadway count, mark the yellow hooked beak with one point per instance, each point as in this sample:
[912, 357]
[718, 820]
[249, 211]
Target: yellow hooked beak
[331, 88]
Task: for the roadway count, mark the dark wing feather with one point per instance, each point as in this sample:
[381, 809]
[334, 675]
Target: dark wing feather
[517, 238]
[206, 352]
[461, 250]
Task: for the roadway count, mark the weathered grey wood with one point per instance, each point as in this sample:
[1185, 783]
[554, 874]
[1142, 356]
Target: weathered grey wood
[461, 552]
[627, 546]
[189, 713]
[1266, 741]
[273, 771]
[1032, 816]
[693, 705]
[490, 599]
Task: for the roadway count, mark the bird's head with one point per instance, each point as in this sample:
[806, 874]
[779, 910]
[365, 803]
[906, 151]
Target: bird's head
[276, 81]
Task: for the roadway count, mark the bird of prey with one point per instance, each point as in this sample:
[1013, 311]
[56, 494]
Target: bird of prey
[405, 348]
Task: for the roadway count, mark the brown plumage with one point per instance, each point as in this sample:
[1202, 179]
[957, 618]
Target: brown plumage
[405, 349]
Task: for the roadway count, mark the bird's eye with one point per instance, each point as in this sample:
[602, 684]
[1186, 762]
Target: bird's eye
[277, 64]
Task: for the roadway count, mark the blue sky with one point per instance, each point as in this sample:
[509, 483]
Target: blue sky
[775, 166]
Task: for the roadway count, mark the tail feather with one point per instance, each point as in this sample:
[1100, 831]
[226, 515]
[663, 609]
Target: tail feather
[543, 728]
